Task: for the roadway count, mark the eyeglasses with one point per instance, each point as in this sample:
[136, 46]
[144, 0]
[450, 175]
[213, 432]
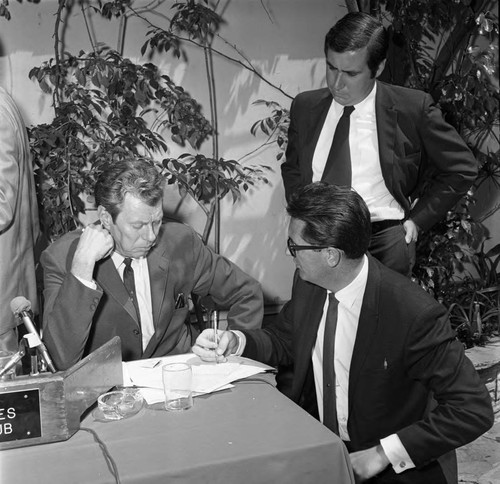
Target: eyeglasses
[293, 248]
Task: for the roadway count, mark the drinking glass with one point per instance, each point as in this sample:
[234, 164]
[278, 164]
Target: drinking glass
[177, 385]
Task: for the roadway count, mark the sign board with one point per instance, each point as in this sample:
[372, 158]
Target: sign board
[48, 407]
[20, 415]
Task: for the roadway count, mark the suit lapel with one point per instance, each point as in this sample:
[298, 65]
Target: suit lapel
[387, 116]
[312, 303]
[316, 120]
[158, 265]
[108, 278]
[367, 327]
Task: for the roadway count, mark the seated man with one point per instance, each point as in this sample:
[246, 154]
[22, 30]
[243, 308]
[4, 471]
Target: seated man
[374, 356]
[86, 274]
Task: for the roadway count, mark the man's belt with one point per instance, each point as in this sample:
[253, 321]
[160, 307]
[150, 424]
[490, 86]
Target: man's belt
[384, 224]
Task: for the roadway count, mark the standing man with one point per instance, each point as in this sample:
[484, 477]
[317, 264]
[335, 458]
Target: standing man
[373, 355]
[392, 144]
[19, 227]
[131, 275]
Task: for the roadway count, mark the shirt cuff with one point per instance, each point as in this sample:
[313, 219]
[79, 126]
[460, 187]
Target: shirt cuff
[396, 453]
[242, 341]
[89, 284]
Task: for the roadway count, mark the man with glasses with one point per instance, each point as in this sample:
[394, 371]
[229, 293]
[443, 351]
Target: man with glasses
[373, 355]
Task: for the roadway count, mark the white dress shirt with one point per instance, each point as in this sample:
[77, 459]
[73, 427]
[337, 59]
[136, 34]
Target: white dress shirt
[367, 177]
[142, 291]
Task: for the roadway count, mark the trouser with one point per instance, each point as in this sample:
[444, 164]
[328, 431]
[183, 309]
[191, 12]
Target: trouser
[388, 245]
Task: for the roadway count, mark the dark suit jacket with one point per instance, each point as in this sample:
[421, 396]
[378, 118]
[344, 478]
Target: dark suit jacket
[416, 146]
[77, 320]
[404, 327]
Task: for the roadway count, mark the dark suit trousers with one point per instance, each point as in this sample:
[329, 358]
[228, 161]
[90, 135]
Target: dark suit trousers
[390, 248]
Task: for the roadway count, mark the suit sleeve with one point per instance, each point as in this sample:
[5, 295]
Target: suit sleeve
[228, 286]
[451, 168]
[66, 325]
[9, 170]
[273, 345]
[290, 168]
[462, 408]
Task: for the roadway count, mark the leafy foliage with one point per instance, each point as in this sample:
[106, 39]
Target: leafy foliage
[101, 102]
[450, 49]
[206, 179]
[4, 8]
[275, 127]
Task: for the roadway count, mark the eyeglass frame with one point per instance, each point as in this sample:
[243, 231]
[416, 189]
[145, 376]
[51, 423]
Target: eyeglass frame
[293, 247]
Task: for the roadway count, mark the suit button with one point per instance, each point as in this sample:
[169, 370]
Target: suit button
[402, 464]
[93, 306]
[136, 331]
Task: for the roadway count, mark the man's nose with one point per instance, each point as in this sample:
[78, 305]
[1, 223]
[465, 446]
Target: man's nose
[149, 233]
[338, 81]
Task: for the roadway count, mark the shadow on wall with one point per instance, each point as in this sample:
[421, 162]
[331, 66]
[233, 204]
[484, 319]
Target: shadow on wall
[260, 244]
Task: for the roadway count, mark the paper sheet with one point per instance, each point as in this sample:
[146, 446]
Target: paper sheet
[208, 377]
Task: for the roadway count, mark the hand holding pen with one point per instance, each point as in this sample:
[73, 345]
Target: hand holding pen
[209, 350]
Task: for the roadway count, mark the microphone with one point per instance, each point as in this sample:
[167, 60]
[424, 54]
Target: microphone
[21, 308]
[13, 361]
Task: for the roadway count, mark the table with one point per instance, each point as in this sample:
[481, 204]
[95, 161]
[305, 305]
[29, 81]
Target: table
[249, 434]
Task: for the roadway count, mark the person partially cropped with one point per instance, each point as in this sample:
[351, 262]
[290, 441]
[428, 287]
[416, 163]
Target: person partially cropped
[19, 223]
[374, 356]
[88, 300]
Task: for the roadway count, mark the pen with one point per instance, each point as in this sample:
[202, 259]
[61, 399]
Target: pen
[179, 302]
[216, 338]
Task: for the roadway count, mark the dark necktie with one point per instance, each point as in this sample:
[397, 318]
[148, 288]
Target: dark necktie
[329, 380]
[338, 164]
[128, 280]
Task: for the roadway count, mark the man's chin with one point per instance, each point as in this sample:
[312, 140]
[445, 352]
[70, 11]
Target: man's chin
[140, 253]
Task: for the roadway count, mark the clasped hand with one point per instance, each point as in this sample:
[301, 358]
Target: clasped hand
[95, 244]
[209, 350]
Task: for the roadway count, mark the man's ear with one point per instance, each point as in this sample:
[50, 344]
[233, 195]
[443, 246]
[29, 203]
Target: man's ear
[104, 217]
[333, 256]
[380, 68]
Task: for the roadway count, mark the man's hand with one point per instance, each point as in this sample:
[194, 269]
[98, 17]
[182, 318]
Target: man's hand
[411, 229]
[206, 348]
[95, 244]
[368, 463]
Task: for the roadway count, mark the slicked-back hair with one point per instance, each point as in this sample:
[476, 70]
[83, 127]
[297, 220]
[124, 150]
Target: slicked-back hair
[140, 178]
[355, 31]
[333, 215]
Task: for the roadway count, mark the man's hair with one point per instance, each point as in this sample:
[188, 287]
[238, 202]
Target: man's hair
[140, 178]
[333, 215]
[355, 31]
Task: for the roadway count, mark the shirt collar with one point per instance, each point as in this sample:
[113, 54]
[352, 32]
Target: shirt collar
[366, 106]
[356, 289]
[117, 259]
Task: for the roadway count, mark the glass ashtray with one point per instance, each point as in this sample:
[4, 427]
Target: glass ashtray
[118, 404]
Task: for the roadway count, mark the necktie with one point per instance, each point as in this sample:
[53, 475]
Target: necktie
[338, 164]
[329, 398]
[128, 280]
